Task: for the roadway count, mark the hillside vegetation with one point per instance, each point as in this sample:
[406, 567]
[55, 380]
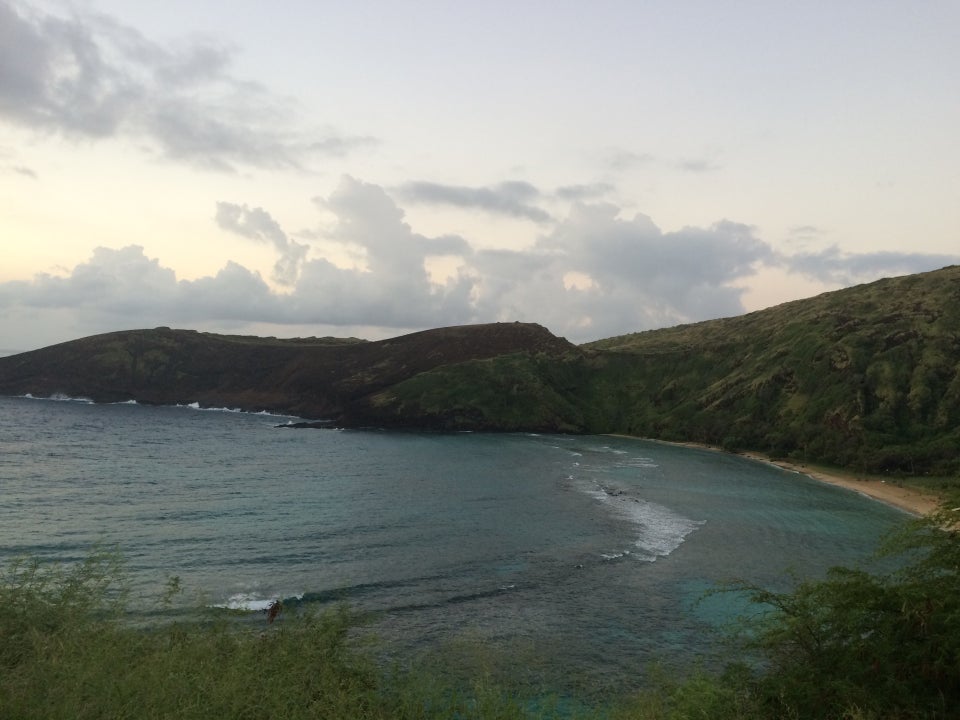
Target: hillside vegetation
[866, 378]
[309, 377]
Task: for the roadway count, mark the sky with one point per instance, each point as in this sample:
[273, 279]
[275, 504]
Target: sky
[369, 169]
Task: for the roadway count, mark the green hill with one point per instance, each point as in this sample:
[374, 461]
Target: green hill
[309, 377]
[866, 378]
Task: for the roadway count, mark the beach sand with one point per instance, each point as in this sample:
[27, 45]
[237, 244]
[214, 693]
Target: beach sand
[908, 499]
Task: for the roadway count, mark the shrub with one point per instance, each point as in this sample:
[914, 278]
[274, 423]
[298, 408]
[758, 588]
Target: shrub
[878, 645]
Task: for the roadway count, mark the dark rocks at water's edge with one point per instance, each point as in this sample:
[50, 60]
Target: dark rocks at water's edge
[865, 378]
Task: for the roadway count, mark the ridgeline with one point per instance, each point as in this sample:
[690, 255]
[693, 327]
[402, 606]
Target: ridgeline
[866, 378]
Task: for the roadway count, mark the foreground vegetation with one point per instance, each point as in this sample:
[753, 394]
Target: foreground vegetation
[854, 645]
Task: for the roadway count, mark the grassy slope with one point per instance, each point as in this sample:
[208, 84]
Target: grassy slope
[865, 378]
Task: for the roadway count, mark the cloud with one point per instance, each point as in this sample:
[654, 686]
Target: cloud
[584, 192]
[257, 224]
[112, 281]
[595, 273]
[837, 267]
[125, 288]
[88, 76]
[394, 289]
[513, 198]
[631, 275]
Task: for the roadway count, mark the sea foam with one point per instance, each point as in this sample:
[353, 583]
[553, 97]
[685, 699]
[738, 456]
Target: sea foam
[251, 602]
[59, 397]
[660, 530]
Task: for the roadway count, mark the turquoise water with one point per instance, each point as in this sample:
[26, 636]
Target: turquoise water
[587, 553]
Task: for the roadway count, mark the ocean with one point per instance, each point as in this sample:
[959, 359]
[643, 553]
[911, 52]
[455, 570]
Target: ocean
[587, 556]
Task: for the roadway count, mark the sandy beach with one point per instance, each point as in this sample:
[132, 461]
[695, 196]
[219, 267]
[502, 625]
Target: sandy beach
[912, 500]
[908, 499]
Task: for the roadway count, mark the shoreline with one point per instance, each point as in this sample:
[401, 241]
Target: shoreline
[910, 500]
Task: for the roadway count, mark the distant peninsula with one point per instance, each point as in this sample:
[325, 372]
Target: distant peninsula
[866, 378]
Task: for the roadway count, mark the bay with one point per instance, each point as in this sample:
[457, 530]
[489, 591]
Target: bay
[587, 557]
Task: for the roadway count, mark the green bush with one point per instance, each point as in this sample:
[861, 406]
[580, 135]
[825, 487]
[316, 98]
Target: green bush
[67, 650]
[855, 645]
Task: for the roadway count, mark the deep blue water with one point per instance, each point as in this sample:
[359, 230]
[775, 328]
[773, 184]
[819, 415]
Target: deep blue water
[589, 551]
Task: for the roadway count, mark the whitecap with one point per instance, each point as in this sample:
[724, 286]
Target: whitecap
[196, 406]
[59, 397]
[614, 555]
[660, 530]
[250, 602]
[638, 462]
[273, 414]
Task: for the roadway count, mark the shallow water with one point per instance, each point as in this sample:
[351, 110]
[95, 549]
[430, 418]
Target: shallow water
[586, 554]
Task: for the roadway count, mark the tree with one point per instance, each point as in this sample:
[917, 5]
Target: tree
[870, 645]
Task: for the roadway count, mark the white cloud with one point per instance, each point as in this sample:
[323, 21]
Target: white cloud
[394, 289]
[594, 274]
[257, 224]
[88, 76]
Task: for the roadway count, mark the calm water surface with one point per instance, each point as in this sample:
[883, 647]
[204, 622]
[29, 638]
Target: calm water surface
[590, 552]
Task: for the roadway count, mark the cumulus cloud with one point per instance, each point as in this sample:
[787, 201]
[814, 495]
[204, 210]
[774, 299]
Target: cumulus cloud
[595, 273]
[598, 274]
[257, 224]
[513, 198]
[89, 76]
[124, 288]
[394, 289]
[112, 281]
